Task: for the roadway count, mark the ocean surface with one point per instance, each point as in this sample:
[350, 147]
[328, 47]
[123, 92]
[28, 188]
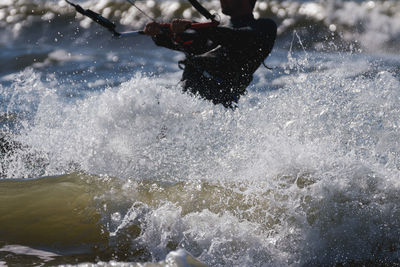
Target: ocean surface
[105, 162]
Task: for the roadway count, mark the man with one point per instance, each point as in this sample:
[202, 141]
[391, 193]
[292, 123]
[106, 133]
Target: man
[220, 61]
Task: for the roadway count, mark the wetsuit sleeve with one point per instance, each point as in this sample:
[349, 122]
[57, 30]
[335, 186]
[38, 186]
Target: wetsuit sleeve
[192, 42]
[165, 41]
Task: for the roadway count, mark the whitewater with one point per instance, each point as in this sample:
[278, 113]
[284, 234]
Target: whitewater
[105, 162]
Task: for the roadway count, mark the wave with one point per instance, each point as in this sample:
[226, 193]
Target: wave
[370, 25]
[303, 175]
[145, 127]
[65, 219]
[299, 219]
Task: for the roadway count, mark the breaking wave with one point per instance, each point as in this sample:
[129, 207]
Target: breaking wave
[307, 176]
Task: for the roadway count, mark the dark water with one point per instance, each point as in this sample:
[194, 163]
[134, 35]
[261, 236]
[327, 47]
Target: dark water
[105, 161]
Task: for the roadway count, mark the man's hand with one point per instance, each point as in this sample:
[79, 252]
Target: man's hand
[177, 26]
[180, 25]
[152, 29]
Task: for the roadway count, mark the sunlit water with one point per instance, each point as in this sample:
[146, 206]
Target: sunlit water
[106, 161]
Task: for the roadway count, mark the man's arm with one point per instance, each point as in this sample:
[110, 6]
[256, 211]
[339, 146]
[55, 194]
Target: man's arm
[177, 38]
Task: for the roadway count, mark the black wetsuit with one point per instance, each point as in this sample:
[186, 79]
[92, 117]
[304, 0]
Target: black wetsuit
[220, 61]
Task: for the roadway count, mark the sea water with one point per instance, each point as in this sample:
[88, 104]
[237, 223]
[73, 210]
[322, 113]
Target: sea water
[105, 161]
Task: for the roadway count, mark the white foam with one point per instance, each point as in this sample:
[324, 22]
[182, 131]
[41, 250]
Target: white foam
[181, 258]
[23, 250]
[62, 56]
